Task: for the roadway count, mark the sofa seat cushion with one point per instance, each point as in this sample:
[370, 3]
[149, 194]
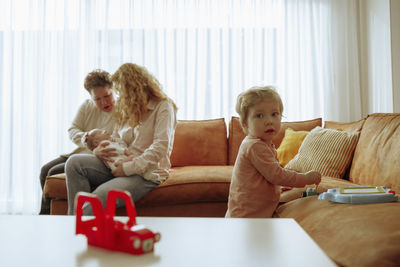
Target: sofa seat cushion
[351, 234]
[188, 184]
[326, 183]
[191, 184]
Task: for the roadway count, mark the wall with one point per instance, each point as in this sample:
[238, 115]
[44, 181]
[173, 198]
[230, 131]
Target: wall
[395, 43]
[375, 57]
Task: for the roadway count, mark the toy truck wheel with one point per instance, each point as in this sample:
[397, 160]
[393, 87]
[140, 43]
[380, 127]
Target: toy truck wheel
[136, 243]
[147, 245]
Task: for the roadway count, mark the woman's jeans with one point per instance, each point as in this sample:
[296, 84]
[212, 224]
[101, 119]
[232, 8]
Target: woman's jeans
[87, 173]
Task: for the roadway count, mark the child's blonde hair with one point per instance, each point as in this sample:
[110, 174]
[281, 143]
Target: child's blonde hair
[90, 137]
[252, 96]
[135, 87]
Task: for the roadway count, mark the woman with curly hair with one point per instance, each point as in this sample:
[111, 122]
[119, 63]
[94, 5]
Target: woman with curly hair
[145, 120]
[93, 113]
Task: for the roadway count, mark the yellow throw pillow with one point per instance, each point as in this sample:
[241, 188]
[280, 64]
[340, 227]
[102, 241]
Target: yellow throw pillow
[290, 145]
[325, 150]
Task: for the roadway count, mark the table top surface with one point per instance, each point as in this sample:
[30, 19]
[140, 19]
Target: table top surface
[51, 241]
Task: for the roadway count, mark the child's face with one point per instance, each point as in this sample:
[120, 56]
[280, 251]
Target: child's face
[102, 135]
[264, 120]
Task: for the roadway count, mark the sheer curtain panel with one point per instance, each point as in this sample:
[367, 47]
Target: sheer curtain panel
[203, 52]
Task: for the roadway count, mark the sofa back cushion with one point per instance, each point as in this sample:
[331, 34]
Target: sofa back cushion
[377, 153]
[200, 142]
[355, 126]
[236, 134]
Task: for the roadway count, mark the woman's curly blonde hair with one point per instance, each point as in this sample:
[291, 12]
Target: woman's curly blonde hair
[135, 87]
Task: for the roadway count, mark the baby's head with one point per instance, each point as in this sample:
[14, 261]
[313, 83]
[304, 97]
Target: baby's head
[93, 138]
[260, 110]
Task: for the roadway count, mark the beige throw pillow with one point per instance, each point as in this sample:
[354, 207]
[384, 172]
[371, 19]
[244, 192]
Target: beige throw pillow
[325, 150]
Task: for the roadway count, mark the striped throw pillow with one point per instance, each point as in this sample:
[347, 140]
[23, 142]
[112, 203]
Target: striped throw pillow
[325, 150]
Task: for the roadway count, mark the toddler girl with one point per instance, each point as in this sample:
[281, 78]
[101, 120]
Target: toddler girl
[257, 175]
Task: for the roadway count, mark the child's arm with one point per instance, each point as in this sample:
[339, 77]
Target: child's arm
[263, 159]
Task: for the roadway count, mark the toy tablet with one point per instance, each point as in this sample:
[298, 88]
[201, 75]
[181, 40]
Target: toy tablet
[360, 195]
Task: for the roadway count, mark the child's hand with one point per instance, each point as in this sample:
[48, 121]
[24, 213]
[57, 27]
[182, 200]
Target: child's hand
[314, 176]
[127, 153]
[119, 171]
[104, 153]
[129, 156]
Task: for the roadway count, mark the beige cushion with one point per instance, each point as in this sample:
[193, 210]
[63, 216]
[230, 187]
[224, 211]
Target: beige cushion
[325, 150]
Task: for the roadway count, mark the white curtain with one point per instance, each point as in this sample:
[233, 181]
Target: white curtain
[203, 52]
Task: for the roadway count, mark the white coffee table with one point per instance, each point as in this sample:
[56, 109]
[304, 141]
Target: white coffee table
[51, 241]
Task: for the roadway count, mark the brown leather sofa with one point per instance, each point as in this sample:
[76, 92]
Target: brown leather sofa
[357, 234]
[202, 161]
[351, 234]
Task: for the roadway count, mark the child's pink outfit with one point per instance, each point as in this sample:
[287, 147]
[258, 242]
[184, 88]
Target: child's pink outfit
[256, 180]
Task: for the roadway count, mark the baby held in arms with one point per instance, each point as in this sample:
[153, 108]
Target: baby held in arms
[97, 138]
[257, 175]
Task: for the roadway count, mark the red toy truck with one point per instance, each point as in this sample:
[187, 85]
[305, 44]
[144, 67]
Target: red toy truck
[103, 231]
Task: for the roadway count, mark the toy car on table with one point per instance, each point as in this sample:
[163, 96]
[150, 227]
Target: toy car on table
[360, 195]
[103, 231]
